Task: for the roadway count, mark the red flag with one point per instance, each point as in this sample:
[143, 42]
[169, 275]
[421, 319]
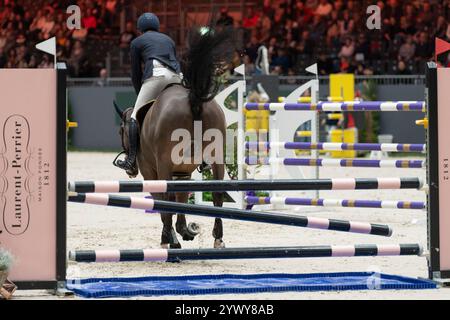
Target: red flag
[441, 47]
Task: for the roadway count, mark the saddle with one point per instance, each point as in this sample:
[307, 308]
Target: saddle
[142, 113]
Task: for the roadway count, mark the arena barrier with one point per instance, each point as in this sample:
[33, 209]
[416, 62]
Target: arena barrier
[364, 163]
[171, 255]
[330, 146]
[161, 186]
[230, 213]
[382, 204]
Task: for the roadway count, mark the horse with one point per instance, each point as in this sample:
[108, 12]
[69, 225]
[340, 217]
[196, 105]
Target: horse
[178, 107]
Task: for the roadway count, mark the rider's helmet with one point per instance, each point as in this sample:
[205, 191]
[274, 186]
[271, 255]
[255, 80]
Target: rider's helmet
[148, 21]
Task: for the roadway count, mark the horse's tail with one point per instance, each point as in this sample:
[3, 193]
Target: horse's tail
[209, 49]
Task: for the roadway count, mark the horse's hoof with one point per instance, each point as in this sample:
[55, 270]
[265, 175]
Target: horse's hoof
[193, 228]
[175, 246]
[219, 244]
[164, 245]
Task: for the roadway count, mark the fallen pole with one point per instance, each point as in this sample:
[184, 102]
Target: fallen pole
[161, 186]
[169, 255]
[229, 213]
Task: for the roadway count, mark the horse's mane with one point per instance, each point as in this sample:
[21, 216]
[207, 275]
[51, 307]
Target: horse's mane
[209, 49]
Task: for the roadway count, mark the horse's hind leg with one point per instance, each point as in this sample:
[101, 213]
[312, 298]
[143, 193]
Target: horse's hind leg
[217, 233]
[188, 232]
[168, 235]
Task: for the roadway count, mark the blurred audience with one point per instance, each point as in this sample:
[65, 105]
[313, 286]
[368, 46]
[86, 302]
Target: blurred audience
[296, 33]
[334, 34]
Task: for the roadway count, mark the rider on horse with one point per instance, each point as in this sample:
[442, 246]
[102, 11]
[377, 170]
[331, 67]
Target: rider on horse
[157, 53]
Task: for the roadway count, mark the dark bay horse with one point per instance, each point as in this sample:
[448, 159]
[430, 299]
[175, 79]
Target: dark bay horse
[177, 107]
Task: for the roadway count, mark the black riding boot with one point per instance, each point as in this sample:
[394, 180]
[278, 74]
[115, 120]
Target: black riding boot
[129, 164]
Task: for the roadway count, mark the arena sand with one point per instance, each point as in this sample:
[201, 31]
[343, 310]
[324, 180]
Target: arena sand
[94, 227]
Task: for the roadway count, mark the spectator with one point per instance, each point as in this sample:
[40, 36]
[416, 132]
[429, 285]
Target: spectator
[249, 65]
[362, 47]
[76, 58]
[424, 48]
[426, 14]
[401, 68]
[38, 22]
[393, 10]
[407, 50]
[277, 71]
[282, 60]
[252, 49]
[406, 27]
[317, 28]
[311, 4]
[225, 19]
[346, 25]
[127, 36]
[103, 78]
[251, 19]
[33, 63]
[348, 49]
[46, 62]
[324, 8]
[89, 21]
[441, 28]
[303, 14]
[47, 25]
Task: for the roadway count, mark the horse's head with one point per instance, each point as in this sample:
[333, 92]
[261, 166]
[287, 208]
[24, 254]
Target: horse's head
[125, 120]
[125, 117]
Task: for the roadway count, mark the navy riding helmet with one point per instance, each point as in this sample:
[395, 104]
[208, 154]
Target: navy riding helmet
[148, 21]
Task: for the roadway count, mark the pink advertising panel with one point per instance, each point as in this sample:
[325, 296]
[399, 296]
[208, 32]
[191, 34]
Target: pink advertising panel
[443, 98]
[28, 171]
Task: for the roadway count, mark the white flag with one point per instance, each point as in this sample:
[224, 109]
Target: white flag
[312, 69]
[48, 46]
[240, 69]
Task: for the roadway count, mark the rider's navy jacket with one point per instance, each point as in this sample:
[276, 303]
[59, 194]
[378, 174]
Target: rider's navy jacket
[144, 49]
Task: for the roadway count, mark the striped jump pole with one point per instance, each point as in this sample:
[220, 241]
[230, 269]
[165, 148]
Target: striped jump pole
[382, 204]
[364, 163]
[170, 255]
[228, 213]
[330, 146]
[418, 106]
[161, 186]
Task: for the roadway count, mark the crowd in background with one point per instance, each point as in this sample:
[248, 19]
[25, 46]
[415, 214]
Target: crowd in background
[24, 23]
[334, 33]
[295, 32]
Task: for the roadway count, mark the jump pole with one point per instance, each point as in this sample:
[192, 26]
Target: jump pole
[330, 146]
[162, 186]
[170, 255]
[382, 204]
[229, 213]
[418, 106]
[363, 163]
